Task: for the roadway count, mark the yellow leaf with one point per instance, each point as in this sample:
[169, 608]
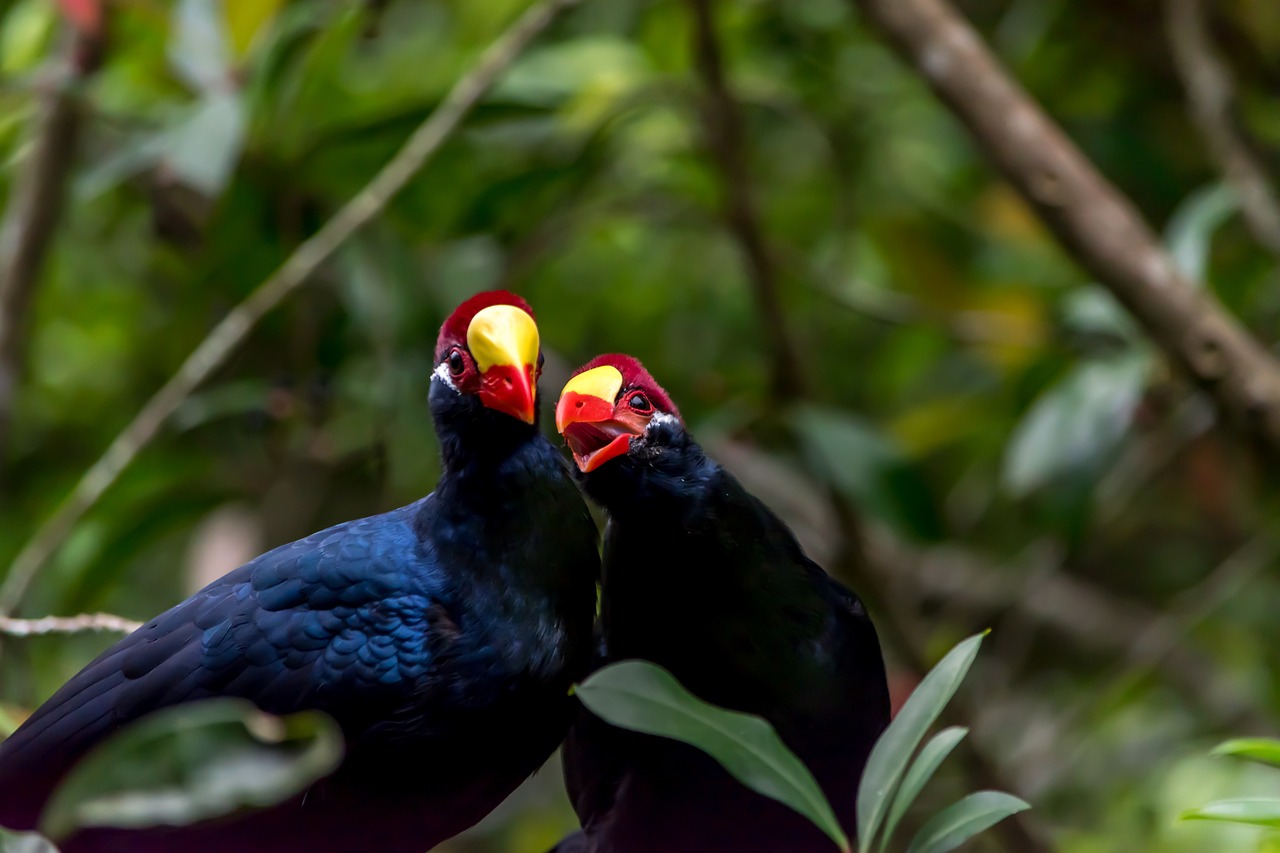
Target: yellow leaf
[246, 19]
[936, 423]
[1005, 327]
[1004, 213]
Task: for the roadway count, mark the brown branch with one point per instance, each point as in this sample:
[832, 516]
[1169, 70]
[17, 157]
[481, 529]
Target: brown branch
[1089, 616]
[35, 207]
[1092, 219]
[722, 125]
[12, 627]
[305, 260]
[1211, 97]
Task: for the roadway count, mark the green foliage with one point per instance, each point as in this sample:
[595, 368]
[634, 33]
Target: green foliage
[891, 782]
[931, 756]
[959, 822]
[1263, 750]
[191, 763]
[1250, 811]
[643, 697]
[934, 319]
[25, 842]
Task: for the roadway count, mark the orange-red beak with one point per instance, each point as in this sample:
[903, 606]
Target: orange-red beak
[586, 417]
[503, 340]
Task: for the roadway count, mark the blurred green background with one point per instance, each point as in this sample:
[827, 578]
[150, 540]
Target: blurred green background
[980, 436]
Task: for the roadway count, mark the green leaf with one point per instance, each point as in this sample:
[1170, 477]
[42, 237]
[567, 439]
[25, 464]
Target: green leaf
[8, 723]
[194, 762]
[960, 821]
[922, 770]
[859, 461]
[246, 20]
[642, 697]
[199, 48]
[25, 842]
[24, 35]
[1254, 811]
[893, 750]
[1264, 750]
[1092, 310]
[1192, 225]
[1077, 422]
[203, 149]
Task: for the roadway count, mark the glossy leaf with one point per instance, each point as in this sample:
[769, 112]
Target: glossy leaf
[202, 151]
[892, 752]
[922, 769]
[1254, 811]
[960, 821]
[25, 842]
[1192, 226]
[1263, 750]
[642, 697]
[199, 49]
[194, 762]
[1076, 423]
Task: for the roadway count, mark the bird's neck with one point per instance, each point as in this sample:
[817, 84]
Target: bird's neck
[725, 578]
[659, 489]
[475, 441]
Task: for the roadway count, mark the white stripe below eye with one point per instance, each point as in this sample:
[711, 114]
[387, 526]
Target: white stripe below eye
[442, 371]
[662, 418]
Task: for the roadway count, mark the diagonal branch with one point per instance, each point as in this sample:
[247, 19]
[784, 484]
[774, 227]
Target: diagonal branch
[722, 124]
[305, 260]
[1093, 220]
[1211, 97]
[36, 206]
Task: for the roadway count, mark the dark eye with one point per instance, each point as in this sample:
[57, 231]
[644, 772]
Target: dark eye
[640, 402]
[456, 363]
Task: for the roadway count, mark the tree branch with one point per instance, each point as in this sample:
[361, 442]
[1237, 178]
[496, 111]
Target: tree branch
[305, 260]
[722, 125]
[1092, 219]
[66, 625]
[1211, 97]
[1089, 616]
[35, 207]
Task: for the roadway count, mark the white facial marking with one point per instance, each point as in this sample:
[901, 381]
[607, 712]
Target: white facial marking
[442, 371]
[661, 418]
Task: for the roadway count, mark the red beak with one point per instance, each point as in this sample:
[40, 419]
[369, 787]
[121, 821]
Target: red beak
[511, 390]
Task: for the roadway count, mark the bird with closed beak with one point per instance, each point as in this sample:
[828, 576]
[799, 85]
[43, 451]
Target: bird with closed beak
[442, 636]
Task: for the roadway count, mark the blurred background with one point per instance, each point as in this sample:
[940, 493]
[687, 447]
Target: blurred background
[901, 360]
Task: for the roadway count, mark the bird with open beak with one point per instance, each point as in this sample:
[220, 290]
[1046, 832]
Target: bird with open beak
[703, 579]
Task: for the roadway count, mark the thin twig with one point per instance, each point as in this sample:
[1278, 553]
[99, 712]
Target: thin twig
[722, 122]
[1211, 97]
[67, 625]
[228, 334]
[36, 206]
[1095, 222]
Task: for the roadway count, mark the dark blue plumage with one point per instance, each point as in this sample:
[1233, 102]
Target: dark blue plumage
[442, 636]
[702, 578]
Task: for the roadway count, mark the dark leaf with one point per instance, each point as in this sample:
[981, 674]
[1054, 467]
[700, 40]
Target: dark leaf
[194, 762]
